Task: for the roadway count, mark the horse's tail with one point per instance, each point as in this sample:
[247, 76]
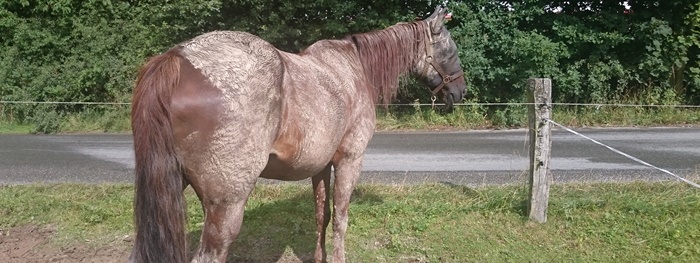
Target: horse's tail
[159, 209]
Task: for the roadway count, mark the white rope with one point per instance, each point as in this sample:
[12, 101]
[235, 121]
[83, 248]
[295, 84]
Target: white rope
[626, 155]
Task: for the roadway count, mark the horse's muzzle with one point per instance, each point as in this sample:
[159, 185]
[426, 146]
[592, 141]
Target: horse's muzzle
[458, 96]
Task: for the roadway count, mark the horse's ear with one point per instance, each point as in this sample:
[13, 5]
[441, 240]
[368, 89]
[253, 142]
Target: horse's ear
[434, 14]
[437, 19]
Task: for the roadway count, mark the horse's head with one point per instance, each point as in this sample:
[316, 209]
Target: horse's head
[440, 67]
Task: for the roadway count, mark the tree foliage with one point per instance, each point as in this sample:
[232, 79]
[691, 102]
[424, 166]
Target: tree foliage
[596, 51]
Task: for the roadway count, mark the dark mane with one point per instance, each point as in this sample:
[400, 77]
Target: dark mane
[389, 54]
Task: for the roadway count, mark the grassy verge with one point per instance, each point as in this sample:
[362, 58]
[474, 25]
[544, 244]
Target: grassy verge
[51, 120]
[638, 222]
[400, 118]
[8, 127]
[407, 117]
[480, 117]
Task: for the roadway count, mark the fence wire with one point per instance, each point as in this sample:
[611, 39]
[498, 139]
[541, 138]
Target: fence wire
[397, 104]
[691, 183]
[597, 105]
[64, 102]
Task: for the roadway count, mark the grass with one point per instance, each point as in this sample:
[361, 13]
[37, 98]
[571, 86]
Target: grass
[627, 116]
[7, 127]
[413, 117]
[427, 118]
[50, 120]
[405, 117]
[111, 121]
[632, 222]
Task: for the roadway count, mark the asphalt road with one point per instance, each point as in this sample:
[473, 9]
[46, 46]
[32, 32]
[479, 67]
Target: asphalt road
[469, 158]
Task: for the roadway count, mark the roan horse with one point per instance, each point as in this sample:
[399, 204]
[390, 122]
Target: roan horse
[222, 109]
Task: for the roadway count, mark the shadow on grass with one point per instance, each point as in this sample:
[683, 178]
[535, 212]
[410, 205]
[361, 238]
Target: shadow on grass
[282, 230]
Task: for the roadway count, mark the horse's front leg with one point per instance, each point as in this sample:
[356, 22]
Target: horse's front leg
[321, 183]
[346, 173]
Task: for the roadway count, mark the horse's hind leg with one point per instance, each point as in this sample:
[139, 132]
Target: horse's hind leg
[223, 195]
[221, 226]
[321, 185]
[346, 173]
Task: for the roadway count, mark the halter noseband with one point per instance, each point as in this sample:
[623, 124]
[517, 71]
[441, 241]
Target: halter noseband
[429, 62]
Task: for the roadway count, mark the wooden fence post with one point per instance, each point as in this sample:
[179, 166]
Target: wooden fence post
[539, 97]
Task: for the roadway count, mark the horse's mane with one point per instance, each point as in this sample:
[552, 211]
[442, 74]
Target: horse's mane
[389, 54]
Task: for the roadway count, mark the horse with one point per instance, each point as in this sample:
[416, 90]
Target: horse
[224, 108]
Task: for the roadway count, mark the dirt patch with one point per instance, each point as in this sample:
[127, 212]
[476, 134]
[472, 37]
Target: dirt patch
[32, 244]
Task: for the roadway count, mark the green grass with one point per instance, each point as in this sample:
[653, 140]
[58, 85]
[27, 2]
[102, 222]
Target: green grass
[111, 121]
[7, 127]
[626, 116]
[634, 222]
[50, 120]
[427, 118]
[407, 117]
[516, 116]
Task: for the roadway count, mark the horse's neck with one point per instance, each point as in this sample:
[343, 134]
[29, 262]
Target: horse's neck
[388, 54]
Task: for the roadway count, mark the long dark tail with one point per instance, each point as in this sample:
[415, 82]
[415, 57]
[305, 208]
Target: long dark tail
[159, 209]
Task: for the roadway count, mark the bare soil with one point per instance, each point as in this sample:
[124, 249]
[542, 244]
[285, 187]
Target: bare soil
[33, 244]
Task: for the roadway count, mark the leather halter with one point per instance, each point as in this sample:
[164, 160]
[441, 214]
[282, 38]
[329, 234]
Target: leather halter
[430, 62]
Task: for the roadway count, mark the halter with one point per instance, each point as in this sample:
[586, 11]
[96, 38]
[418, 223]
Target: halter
[429, 62]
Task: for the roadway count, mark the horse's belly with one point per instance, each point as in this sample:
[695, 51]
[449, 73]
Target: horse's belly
[285, 170]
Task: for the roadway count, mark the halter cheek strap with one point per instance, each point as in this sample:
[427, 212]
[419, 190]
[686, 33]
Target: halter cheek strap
[431, 62]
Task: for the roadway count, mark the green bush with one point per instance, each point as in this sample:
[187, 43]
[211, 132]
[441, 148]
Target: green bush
[46, 120]
[594, 51]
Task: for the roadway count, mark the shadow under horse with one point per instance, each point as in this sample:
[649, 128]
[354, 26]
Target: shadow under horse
[221, 110]
[281, 230]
